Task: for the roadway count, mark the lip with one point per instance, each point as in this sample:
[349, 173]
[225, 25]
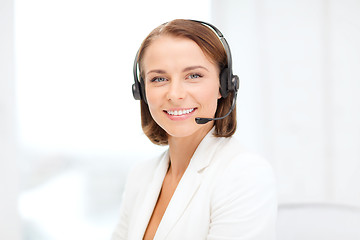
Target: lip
[179, 117]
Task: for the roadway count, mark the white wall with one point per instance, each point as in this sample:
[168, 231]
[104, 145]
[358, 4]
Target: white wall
[9, 222]
[299, 62]
[78, 125]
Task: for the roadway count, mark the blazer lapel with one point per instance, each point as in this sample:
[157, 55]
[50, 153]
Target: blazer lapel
[147, 200]
[188, 186]
[182, 196]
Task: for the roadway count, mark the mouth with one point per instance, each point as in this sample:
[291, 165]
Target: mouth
[180, 112]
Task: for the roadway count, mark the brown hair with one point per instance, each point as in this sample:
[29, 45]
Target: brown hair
[212, 47]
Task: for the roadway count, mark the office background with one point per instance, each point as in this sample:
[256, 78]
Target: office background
[70, 129]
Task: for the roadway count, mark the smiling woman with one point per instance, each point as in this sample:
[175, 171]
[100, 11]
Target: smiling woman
[213, 50]
[205, 185]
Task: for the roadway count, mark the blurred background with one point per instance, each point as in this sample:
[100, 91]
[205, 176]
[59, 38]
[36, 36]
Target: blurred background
[70, 129]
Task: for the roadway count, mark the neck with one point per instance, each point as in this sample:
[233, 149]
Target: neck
[181, 151]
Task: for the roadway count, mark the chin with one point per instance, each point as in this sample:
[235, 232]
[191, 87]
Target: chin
[180, 133]
[180, 130]
[186, 130]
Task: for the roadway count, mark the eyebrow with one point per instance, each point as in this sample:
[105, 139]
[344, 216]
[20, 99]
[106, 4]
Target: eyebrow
[184, 70]
[194, 67]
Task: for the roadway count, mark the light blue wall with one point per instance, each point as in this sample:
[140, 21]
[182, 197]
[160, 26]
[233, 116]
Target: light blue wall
[298, 102]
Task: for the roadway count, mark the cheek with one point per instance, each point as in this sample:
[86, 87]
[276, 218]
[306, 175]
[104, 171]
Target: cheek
[210, 99]
[154, 100]
[152, 96]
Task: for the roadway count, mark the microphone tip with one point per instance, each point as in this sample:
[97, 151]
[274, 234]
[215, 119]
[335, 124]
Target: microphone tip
[202, 120]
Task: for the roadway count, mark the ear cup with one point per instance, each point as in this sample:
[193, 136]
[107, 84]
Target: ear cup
[235, 83]
[224, 76]
[136, 91]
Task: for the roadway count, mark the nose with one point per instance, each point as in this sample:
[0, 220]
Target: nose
[176, 91]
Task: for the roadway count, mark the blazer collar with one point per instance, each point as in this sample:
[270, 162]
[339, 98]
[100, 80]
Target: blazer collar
[205, 151]
[188, 185]
[183, 194]
[147, 200]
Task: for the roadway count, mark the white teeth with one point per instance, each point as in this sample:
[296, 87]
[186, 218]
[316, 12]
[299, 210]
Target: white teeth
[180, 112]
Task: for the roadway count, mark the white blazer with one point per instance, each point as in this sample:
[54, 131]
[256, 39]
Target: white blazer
[225, 193]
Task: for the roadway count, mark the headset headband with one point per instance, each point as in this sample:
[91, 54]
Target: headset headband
[228, 82]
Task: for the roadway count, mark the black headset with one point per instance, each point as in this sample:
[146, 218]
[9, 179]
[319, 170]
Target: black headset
[228, 81]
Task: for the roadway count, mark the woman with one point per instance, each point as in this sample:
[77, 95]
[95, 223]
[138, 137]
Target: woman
[205, 186]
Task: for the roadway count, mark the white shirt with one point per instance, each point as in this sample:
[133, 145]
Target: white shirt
[225, 193]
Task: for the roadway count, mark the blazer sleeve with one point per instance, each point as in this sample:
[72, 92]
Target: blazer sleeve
[244, 201]
[121, 229]
[120, 232]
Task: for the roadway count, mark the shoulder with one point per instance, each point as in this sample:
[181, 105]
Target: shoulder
[142, 172]
[144, 169]
[243, 193]
[233, 153]
[238, 155]
[242, 170]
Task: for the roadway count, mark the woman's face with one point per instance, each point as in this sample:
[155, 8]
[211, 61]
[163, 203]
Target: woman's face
[181, 84]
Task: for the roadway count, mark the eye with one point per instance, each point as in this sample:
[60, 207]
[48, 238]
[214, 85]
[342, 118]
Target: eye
[194, 75]
[158, 79]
